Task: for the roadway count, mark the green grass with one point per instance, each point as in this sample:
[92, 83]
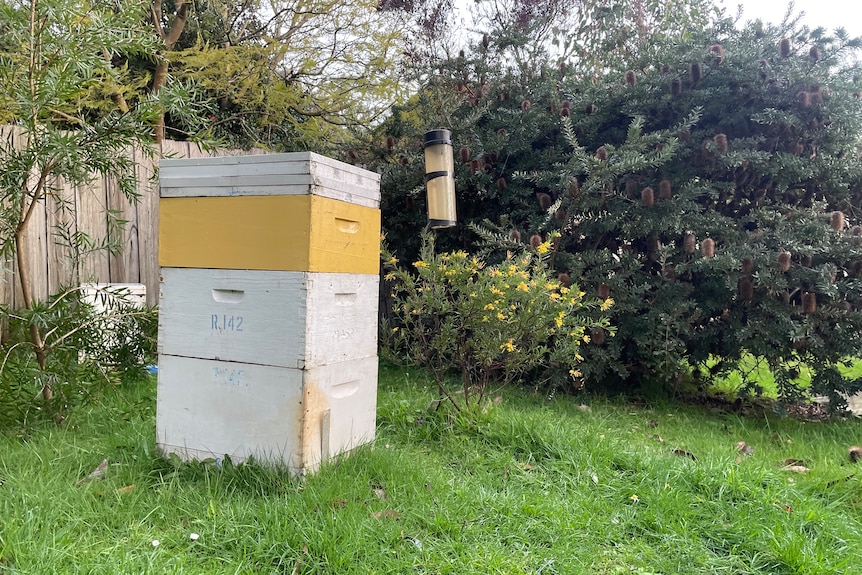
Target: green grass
[534, 485]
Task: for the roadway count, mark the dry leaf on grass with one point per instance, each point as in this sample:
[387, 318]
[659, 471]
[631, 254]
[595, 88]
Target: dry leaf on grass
[796, 468]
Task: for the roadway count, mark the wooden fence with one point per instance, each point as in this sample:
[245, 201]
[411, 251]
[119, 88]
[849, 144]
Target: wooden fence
[85, 209]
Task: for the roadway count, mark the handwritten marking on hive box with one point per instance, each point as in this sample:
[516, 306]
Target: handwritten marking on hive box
[226, 323]
[231, 377]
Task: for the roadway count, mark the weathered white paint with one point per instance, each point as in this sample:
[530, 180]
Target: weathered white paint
[271, 174]
[290, 417]
[277, 318]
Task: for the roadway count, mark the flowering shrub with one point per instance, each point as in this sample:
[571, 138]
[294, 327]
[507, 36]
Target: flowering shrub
[493, 324]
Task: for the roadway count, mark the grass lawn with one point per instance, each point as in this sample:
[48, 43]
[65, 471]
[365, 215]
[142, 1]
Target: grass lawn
[535, 485]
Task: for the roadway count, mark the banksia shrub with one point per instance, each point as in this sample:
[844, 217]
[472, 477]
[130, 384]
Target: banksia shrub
[707, 248]
[647, 197]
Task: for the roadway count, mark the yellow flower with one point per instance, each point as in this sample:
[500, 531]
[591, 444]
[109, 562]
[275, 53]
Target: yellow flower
[606, 305]
[564, 290]
[634, 498]
[420, 264]
[543, 247]
[394, 329]
[495, 273]
[551, 286]
[523, 287]
[501, 316]
[389, 277]
[393, 260]
[579, 357]
[488, 306]
[484, 318]
[508, 346]
[586, 339]
[450, 272]
[472, 294]
[554, 296]
[496, 291]
[574, 373]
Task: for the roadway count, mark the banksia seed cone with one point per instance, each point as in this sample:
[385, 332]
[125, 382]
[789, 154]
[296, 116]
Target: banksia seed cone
[485, 41]
[502, 132]
[598, 336]
[809, 302]
[591, 109]
[836, 222]
[804, 99]
[574, 189]
[515, 235]
[855, 453]
[602, 153]
[664, 190]
[707, 247]
[604, 291]
[676, 87]
[564, 279]
[718, 50]
[689, 243]
[390, 143]
[464, 155]
[562, 214]
[535, 240]
[631, 78]
[807, 260]
[631, 188]
[695, 72]
[474, 166]
[816, 94]
[352, 155]
[566, 104]
[525, 105]
[405, 160]
[746, 289]
[784, 47]
[747, 265]
[462, 87]
[545, 200]
[720, 143]
[647, 197]
[814, 52]
[501, 183]
[565, 112]
[856, 230]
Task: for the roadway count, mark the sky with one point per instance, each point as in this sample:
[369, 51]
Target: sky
[830, 14]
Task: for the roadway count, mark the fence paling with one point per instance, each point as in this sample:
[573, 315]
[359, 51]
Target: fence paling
[85, 209]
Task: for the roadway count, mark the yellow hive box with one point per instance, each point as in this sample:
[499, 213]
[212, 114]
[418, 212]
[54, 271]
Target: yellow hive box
[278, 232]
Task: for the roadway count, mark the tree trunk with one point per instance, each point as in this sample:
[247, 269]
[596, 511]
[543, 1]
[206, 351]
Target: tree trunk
[169, 37]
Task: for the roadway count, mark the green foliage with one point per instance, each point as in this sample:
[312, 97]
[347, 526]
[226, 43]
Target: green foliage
[91, 347]
[493, 324]
[712, 190]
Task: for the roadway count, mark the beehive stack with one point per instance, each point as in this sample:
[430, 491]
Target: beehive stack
[268, 308]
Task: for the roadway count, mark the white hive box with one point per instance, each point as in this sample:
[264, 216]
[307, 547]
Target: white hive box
[295, 173]
[278, 318]
[268, 308]
[288, 417]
